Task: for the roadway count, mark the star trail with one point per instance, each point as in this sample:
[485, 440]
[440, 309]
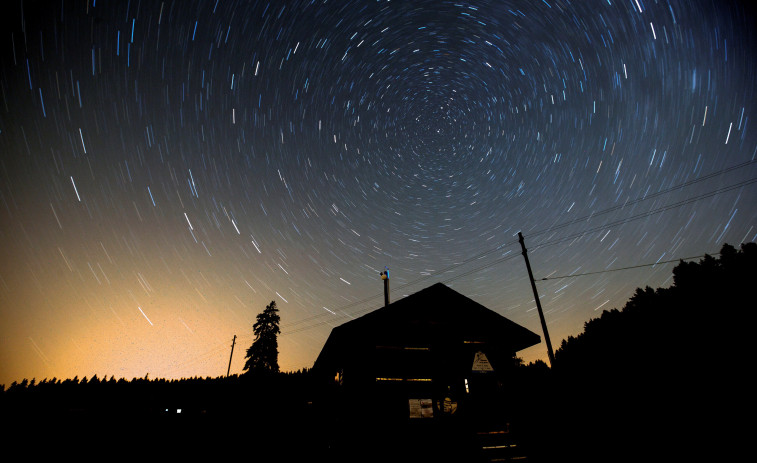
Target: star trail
[170, 167]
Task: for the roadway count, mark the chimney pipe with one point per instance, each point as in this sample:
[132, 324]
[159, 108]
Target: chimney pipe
[385, 277]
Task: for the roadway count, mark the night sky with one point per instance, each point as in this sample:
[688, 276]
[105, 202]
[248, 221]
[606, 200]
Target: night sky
[168, 168]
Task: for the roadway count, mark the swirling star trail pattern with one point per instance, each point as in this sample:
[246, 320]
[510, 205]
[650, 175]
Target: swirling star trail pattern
[170, 167]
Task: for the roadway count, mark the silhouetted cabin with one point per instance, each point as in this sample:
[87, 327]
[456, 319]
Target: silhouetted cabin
[430, 354]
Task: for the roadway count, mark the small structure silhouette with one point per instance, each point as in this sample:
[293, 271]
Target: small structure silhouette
[433, 357]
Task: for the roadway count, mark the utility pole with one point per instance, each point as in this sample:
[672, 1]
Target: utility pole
[538, 302]
[233, 341]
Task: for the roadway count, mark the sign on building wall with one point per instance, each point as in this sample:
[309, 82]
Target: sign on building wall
[481, 363]
[421, 408]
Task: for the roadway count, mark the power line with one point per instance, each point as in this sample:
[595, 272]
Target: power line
[652, 212]
[570, 237]
[616, 223]
[627, 268]
[645, 197]
[405, 285]
[483, 267]
[540, 232]
[207, 355]
[402, 286]
[547, 230]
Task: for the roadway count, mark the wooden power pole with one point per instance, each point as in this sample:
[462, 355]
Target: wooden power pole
[538, 302]
[233, 341]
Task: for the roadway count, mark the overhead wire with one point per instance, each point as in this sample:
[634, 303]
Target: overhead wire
[645, 197]
[650, 213]
[631, 267]
[405, 285]
[570, 237]
[287, 328]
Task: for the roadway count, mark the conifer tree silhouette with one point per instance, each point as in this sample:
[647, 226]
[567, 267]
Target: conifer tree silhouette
[263, 355]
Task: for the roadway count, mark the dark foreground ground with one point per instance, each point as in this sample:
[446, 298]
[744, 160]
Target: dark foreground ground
[544, 418]
[555, 430]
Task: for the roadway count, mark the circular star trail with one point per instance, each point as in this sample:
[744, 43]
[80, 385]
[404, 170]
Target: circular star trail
[169, 168]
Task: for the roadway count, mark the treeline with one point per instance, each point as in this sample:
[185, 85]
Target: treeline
[694, 323]
[663, 379]
[159, 418]
[146, 396]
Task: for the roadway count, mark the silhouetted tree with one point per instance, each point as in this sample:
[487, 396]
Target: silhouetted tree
[263, 355]
[700, 314]
[671, 359]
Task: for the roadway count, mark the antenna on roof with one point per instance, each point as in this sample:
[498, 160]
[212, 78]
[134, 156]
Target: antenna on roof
[385, 277]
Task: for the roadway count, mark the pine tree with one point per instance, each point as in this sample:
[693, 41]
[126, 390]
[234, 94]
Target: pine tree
[263, 355]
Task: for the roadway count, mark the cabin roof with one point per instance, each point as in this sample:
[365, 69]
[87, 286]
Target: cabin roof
[426, 317]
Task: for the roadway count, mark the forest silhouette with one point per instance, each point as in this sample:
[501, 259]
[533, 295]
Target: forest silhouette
[662, 379]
